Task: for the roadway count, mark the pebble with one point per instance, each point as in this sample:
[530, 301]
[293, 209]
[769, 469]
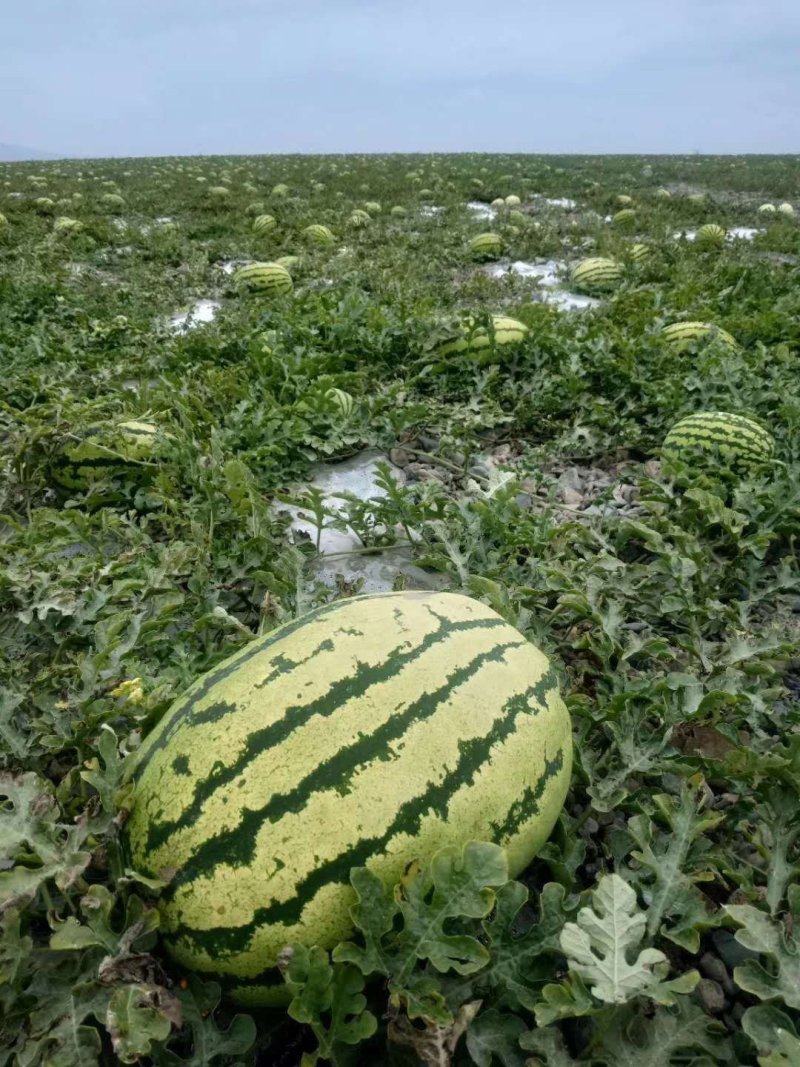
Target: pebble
[711, 996]
[399, 457]
[713, 967]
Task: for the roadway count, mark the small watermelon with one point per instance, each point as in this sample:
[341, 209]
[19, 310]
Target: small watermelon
[271, 278]
[481, 343]
[486, 246]
[711, 235]
[597, 274]
[263, 224]
[681, 335]
[127, 451]
[342, 401]
[719, 438]
[318, 234]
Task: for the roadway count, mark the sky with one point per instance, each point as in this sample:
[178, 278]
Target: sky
[184, 77]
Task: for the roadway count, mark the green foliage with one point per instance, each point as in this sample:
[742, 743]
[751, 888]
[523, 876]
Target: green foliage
[668, 598]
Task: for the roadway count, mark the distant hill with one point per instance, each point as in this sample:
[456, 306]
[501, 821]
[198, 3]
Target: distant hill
[17, 153]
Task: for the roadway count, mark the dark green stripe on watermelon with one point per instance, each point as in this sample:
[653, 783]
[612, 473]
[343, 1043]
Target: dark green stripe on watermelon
[475, 752]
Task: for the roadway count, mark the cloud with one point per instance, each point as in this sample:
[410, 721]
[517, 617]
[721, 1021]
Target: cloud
[137, 76]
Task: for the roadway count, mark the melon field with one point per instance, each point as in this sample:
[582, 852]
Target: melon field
[239, 390]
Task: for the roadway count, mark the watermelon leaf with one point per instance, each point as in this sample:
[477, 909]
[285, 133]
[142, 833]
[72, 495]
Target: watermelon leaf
[669, 1036]
[602, 945]
[198, 1003]
[136, 1017]
[672, 860]
[773, 939]
[494, 1037]
[774, 1035]
[328, 999]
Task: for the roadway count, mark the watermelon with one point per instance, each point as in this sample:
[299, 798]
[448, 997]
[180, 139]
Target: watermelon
[63, 224]
[264, 223]
[625, 219]
[372, 207]
[126, 451]
[318, 235]
[481, 342]
[711, 235]
[359, 219]
[289, 262]
[767, 209]
[498, 202]
[512, 201]
[663, 194]
[371, 732]
[486, 246]
[271, 278]
[398, 211]
[681, 335]
[596, 274]
[787, 210]
[280, 190]
[719, 437]
[44, 204]
[624, 200]
[342, 401]
[113, 201]
[638, 253]
[218, 192]
[696, 198]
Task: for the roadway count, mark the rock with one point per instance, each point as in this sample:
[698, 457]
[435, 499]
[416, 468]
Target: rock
[399, 457]
[713, 967]
[571, 497]
[711, 996]
[428, 444]
[421, 472]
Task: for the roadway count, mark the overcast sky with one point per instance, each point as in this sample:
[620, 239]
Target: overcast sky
[174, 77]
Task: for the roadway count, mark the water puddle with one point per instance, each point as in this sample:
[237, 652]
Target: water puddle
[201, 311]
[547, 276]
[481, 211]
[228, 266]
[559, 201]
[340, 549]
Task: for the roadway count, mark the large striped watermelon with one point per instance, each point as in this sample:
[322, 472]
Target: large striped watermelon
[720, 438]
[371, 732]
[596, 274]
[270, 278]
